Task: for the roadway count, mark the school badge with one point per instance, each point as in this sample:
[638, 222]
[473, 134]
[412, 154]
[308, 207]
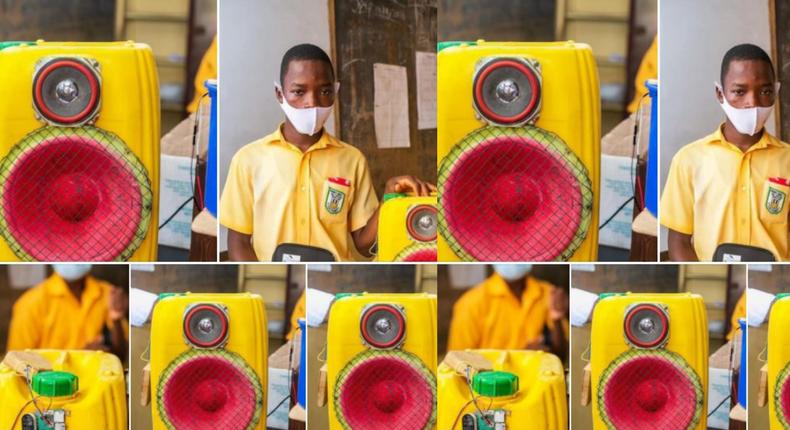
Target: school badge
[775, 201]
[333, 202]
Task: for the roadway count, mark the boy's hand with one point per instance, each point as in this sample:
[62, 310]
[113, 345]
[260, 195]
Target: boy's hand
[406, 183]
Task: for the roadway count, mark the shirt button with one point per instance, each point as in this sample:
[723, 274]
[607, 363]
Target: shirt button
[743, 188]
[304, 188]
[304, 222]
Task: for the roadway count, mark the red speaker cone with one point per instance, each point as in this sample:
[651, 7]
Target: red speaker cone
[392, 390]
[418, 252]
[650, 390]
[782, 396]
[74, 195]
[217, 391]
[513, 194]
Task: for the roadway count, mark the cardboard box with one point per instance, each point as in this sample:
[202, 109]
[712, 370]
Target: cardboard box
[720, 380]
[279, 385]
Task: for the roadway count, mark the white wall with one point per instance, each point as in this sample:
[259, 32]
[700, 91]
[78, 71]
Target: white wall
[254, 35]
[693, 37]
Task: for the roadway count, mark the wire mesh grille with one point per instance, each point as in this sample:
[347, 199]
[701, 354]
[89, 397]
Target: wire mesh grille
[419, 251]
[74, 194]
[209, 389]
[385, 389]
[514, 194]
[782, 397]
[654, 389]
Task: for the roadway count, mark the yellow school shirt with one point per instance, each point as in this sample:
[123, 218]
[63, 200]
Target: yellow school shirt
[648, 69]
[297, 314]
[718, 194]
[50, 316]
[490, 316]
[207, 70]
[278, 194]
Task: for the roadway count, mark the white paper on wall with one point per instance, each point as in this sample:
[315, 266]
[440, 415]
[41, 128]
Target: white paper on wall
[391, 106]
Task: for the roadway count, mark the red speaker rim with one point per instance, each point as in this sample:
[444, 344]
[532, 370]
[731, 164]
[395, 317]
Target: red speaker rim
[459, 238]
[223, 318]
[632, 339]
[119, 249]
[782, 396]
[368, 312]
[409, 225]
[410, 360]
[233, 359]
[490, 67]
[672, 360]
[50, 67]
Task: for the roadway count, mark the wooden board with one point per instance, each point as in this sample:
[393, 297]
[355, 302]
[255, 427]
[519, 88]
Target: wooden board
[781, 37]
[72, 20]
[496, 20]
[368, 32]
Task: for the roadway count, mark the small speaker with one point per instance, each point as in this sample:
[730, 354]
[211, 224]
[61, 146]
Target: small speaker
[66, 91]
[507, 90]
[421, 223]
[646, 326]
[206, 325]
[382, 326]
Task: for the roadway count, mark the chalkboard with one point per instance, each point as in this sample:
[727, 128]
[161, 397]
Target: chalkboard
[497, 20]
[782, 46]
[389, 32]
[62, 20]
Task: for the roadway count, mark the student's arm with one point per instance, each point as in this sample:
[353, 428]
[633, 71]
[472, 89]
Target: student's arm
[240, 246]
[558, 317]
[365, 237]
[680, 247]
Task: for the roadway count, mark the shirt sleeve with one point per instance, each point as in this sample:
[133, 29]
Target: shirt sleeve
[298, 312]
[464, 326]
[365, 201]
[25, 329]
[677, 202]
[236, 202]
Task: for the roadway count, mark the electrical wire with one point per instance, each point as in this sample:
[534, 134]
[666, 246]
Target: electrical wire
[278, 406]
[729, 377]
[19, 414]
[474, 398]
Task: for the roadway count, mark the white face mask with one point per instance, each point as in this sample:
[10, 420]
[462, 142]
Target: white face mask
[307, 121]
[747, 120]
[512, 272]
[71, 272]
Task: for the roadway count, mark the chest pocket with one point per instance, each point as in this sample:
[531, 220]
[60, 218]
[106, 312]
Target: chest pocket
[773, 206]
[335, 199]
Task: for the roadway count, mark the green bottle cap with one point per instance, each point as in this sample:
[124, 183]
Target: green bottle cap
[339, 296]
[782, 296]
[450, 44]
[605, 295]
[390, 196]
[495, 384]
[55, 384]
[4, 45]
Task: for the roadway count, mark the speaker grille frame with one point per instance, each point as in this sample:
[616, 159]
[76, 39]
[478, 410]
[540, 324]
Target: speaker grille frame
[219, 310]
[113, 147]
[675, 359]
[567, 170]
[411, 213]
[429, 378]
[88, 68]
[234, 359]
[418, 252]
[659, 310]
[782, 383]
[394, 310]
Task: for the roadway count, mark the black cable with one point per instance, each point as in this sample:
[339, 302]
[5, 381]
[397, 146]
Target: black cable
[719, 405]
[278, 406]
[175, 212]
[622, 206]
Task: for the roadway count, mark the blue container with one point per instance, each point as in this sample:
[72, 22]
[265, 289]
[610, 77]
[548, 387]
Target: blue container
[210, 197]
[302, 389]
[651, 182]
[742, 389]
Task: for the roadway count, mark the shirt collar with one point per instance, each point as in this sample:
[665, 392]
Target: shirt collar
[498, 287]
[325, 141]
[56, 286]
[766, 140]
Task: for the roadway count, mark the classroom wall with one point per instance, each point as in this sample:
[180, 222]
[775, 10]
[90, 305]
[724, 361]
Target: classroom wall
[693, 39]
[250, 65]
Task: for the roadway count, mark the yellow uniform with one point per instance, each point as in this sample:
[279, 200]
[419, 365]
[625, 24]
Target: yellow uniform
[489, 316]
[297, 314]
[648, 69]
[49, 316]
[206, 70]
[279, 194]
[718, 194]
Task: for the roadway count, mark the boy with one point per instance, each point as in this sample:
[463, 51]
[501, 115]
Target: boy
[731, 186]
[300, 184]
